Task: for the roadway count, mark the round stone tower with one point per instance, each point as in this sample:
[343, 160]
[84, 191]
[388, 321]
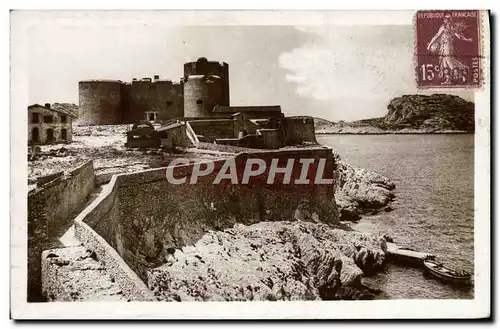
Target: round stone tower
[99, 102]
[206, 84]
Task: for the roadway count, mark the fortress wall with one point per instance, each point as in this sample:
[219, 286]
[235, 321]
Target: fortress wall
[99, 102]
[99, 216]
[213, 129]
[114, 102]
[300, 129]
[179, 92]
[50, 212]
[204, 67]
[161, 96]
[144, 216]
[201, 95]
[206, 84]
[272, 138]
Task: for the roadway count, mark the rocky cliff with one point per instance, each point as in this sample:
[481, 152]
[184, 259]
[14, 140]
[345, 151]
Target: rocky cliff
[437, 113]
[360, 191]
[271, 261]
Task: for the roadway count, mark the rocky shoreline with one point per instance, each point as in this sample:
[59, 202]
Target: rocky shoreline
[272, 261]
[277, 261]
[360, 191]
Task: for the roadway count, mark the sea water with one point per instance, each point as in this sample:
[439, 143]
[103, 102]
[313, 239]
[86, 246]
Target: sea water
[434, 205]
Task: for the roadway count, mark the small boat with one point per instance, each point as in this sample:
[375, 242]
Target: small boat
[447, 274]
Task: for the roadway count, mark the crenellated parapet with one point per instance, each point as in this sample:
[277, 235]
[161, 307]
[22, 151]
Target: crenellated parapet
[104, 102]
[206, 85]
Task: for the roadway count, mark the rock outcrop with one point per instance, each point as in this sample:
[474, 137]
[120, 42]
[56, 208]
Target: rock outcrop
[360, 191]
[270, 261]
[434, 112]
[68, 108]
[411, 114]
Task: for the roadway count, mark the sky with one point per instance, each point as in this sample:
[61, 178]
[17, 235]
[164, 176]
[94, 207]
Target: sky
[334, 72]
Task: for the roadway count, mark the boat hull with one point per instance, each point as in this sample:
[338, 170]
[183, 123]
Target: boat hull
[449, 278]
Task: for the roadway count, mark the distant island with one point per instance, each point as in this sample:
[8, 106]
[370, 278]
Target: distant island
[411, 114]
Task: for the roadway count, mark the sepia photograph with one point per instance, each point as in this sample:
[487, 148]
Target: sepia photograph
[273, 158]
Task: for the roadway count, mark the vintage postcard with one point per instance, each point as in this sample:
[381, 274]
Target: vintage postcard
[250, 164]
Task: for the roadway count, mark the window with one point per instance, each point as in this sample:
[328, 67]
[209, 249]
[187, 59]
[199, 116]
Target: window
[170, 103]
[199, 101]
[64, 118]
[35, 117]
[47, 118]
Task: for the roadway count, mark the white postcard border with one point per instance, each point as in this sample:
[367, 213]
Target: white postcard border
[475, 308]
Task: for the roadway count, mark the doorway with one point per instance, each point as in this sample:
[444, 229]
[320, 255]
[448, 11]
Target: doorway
[35, 135]
[64, 134]
[50, 135]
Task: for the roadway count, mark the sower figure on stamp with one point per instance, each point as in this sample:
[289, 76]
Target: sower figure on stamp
[443, 44]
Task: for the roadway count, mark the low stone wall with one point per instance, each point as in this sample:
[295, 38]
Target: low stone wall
[248, 141]
[144, 217]
[50, 210]
[214, 128]
[40, 181]
[272, 138]
[102, 211]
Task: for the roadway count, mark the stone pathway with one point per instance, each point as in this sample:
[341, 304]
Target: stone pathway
[75, 274]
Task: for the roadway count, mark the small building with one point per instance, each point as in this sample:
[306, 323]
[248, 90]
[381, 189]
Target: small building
[170, 136]
[49, 125]
[142, 135]
[173, 135]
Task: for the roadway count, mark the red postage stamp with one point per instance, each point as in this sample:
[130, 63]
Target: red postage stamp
[448, 49]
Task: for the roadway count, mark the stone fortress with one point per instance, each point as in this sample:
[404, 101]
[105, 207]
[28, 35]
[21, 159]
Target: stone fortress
[201, 98]
[135, 236]
[96, 236]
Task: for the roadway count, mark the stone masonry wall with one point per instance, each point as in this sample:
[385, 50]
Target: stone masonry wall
[161, 96]
[50, 210]
[99, 102]
[101, 213]
[299, 130]
[144, 217]
[213, 129]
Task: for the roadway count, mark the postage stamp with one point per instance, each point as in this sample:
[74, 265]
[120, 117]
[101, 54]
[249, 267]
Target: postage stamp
[448, 49]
